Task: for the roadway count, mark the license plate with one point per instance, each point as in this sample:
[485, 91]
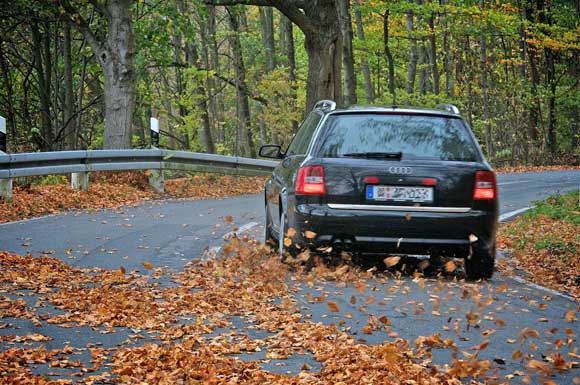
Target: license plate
[400, 194]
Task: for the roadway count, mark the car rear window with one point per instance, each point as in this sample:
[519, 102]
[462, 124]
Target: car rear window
[416, 136]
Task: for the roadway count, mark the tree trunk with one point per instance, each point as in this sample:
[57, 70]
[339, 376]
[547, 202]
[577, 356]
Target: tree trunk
[68, 111]
[324, 48]
[119, 74]
[244, 141]
[7, 80]
[369, 90]
[423, 68]
[433, 54]
[287, 36]
[484, 96]
[347, 52]
[448, 57]
[389, 55]
[44, 137]
[216, 103]
[192, 57]
[412, 68]
[267, 30]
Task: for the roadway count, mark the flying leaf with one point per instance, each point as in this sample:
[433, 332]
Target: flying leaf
[391, 261]
[450, 266]
[148, 265]
[309, 234]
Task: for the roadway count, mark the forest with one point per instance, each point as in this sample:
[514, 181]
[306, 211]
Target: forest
[226, 76]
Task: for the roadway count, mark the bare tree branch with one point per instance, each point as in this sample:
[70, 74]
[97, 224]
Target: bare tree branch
[81, 24]
[245, 90]
[101, 8]
[290, 8]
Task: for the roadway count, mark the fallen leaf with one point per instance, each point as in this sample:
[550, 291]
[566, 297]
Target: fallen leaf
[570, 316]
[333, 306]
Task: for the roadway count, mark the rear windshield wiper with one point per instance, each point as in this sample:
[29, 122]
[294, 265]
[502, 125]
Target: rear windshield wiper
[375, 155]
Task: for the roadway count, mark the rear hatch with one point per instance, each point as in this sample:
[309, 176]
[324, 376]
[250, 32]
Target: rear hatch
[398, 160]
[403, 183]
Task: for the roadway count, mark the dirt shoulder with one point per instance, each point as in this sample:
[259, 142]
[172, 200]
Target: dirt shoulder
[112, 190]
[545, 244]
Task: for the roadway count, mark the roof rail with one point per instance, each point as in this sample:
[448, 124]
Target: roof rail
[448, 107]
[325, 104]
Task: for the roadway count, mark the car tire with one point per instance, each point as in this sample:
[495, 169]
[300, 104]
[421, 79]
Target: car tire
[269, 237]
[480, 264]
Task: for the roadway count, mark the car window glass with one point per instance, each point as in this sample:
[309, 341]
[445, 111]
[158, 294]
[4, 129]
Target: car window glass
[302, 139]
[416, 136]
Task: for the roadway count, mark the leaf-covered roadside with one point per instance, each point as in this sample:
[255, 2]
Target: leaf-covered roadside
[112, 190]
[521, 169]
[545, 243]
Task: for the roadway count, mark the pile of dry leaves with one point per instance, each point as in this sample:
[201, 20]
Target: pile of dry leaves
[111, 190]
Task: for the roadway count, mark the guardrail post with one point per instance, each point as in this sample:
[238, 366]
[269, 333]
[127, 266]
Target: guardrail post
[157, 180]
[6, 189]
[3, 146]
[154, 132]
[79, 181]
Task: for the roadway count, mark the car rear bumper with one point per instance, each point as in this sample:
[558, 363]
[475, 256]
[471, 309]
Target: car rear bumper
[406, 230]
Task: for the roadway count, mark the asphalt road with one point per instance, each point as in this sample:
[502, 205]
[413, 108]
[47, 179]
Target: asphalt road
[170, 233]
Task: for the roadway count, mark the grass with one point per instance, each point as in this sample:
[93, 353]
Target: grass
[564, 207]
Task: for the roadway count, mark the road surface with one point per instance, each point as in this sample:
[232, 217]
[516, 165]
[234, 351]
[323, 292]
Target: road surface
[170, 233]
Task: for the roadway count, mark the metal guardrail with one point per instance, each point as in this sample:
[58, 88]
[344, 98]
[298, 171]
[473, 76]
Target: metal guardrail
[80, 163]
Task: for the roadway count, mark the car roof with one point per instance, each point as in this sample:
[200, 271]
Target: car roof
[329, 107]
[391, 110]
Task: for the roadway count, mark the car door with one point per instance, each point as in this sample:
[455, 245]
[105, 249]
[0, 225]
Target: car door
[281, 185]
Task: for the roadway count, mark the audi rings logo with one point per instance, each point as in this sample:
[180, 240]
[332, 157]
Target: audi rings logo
[400, 170]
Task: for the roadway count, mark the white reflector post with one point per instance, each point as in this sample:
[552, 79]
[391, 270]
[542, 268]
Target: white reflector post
[2, 134]
[154, 131]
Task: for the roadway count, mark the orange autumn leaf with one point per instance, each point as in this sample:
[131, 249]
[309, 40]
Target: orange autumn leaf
[310, 234]
[391, 261]
[333, 306]
[570, 316]
[148, 265]
[450, 266]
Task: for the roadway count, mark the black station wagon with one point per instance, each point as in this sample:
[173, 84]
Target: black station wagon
[384, 180]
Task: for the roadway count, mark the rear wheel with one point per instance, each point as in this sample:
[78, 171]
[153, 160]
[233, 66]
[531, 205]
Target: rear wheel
[269, 237]
[480, 264]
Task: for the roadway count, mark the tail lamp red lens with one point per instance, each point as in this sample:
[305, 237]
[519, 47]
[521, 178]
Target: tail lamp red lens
[485, 186]
[371, 180]
[310, 181]
[429, 182]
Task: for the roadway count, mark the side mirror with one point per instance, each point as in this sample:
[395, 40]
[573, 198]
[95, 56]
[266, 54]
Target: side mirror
[273, 151]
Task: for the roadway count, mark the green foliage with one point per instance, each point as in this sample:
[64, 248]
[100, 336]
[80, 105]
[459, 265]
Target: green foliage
[564, 207]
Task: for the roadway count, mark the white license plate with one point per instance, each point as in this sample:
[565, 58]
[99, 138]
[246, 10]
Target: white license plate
[400, 194]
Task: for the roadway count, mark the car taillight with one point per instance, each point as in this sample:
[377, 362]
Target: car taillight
[485, 186]
[310, 180]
